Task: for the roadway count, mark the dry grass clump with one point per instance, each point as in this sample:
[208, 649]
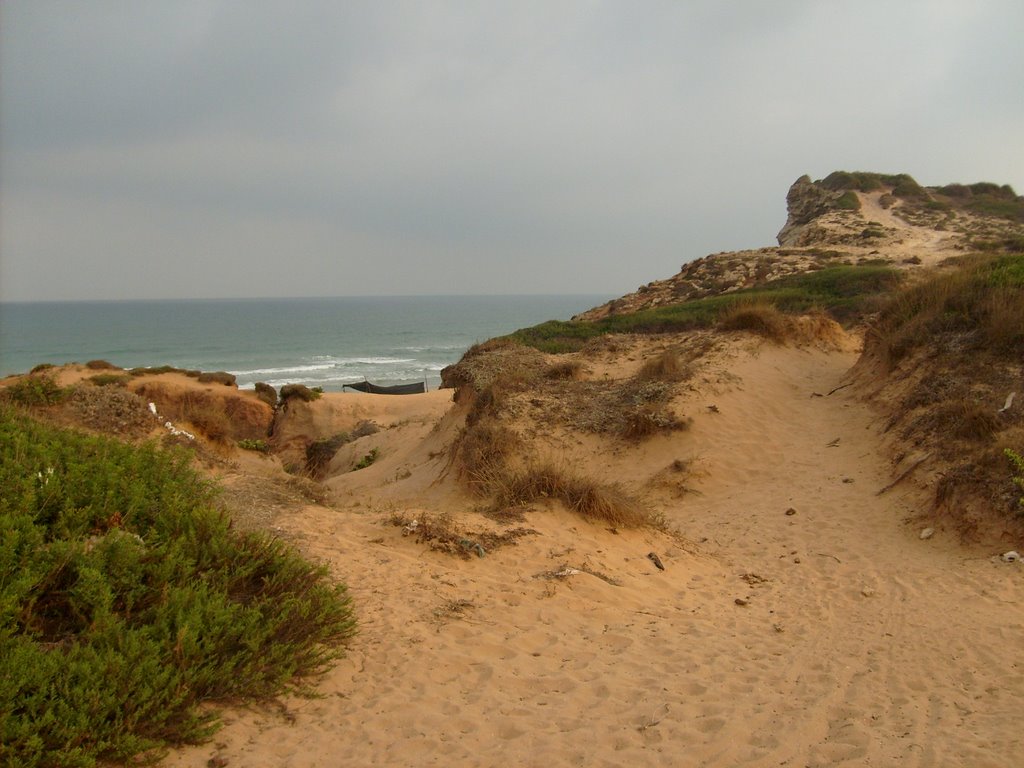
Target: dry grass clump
[490, 345]
[493, 400]
[568, 369]
[320, 452]
[441, 532]
[759, 318]
[979, 305]
[490, 361]
[958, 337]
[206, 415]
[485, 455]
[483, 451]
[668, 366]
[972, 421]
[648, 420]
[586, 497]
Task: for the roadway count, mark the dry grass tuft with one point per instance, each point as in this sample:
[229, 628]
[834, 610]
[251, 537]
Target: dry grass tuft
[970, 421]
[483, 451]
[442, 534]
[586, 497]
[759, 318]
[571, 370]
[979, 305]
[668, 366]
[206, 416]
[649, 420]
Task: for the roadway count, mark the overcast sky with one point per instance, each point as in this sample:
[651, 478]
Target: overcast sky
[226, 149]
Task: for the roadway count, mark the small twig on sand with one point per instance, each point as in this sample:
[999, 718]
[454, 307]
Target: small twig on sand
[826, 554]
[905, 473]
[841, 386]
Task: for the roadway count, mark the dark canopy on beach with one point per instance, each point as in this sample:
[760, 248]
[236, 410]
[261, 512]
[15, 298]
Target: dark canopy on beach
[398, 389]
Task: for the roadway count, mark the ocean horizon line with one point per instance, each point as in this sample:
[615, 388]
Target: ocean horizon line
[243, 299]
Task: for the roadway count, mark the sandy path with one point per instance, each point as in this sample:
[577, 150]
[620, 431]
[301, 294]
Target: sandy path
[928, 244]
[859, 644]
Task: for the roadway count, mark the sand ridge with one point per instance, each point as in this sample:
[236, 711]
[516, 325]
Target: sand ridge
[799, 620]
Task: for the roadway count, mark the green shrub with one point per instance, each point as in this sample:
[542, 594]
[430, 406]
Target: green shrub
[859, 180]
[110, 379]
[37, 390]
[127, 600]
[848, 201]
[260, 446]
[367, 460]
[42, 367]
[160, 369]
[101, 365]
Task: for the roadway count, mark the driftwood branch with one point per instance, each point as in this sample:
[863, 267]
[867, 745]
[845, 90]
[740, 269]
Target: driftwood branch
[841, 386]
[905, 473]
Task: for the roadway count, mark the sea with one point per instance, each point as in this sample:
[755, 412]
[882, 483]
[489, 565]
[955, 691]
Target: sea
[319, 342]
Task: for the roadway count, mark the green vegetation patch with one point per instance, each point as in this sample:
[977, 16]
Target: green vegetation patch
[39, 389]
[845, 292]
[903, 185]
[981, 303]
[126, 600]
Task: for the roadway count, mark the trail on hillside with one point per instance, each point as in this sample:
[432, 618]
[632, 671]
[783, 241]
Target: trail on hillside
[811, 626]
[926, 243]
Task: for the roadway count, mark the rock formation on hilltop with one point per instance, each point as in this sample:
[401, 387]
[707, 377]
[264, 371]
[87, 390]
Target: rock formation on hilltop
[848, 218]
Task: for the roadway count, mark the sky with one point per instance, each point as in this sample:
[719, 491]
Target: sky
[215, 149]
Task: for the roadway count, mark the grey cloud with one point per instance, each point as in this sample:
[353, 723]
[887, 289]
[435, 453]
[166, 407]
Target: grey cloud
[520, 147]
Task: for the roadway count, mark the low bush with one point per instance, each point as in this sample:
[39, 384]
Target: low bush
[34, 391]
[299, 391]
[569, 369]
[320, 452]
[110, 379]
[259, 446]
[217, 377]
[127, 601]
[161, 369]
[367, 460]
[266, 393]
[42, 367]
[759, 318]
[101, 365]
[848, 201]
[647, 421]
[588, 498]
[483, 450]
[668, 366]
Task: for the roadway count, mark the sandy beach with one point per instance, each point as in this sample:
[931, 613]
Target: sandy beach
[799, 619]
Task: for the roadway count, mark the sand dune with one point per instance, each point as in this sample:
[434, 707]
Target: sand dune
[799, 620]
